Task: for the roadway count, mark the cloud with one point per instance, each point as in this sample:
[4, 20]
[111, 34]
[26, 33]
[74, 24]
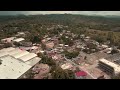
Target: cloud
[60, 12]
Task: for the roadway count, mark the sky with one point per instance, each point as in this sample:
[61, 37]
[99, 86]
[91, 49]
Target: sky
[61, 12]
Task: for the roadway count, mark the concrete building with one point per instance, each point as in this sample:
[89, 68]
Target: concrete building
[12, 68]
[109, 67]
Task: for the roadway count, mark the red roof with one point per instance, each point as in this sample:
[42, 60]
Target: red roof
[80, 73]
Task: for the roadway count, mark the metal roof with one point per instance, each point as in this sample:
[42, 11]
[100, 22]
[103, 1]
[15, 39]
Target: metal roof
[14, 51]
[33, 61]
[18, 39]
[7, 49]
[20, 54]
[27, 57]
[12, 68]
[3, 53]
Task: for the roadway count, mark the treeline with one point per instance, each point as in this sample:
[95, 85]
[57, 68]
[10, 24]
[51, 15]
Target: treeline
[37, 25]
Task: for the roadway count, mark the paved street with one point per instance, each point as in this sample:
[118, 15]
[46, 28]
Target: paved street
[91, 76]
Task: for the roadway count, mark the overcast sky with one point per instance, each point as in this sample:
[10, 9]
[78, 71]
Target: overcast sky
[60, 12]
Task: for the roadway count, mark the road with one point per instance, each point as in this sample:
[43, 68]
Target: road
[80, 68]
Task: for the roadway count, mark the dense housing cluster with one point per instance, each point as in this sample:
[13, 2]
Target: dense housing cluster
[50, 49]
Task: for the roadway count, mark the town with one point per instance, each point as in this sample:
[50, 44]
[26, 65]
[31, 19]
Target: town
[84, 58]
[57, 52]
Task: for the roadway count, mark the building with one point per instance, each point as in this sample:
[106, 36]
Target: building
[18, 39]
[16, 62]
[20, 54]
[109, 67]
[26, 44]
[12, 68]
[33, 61]
[27, 57]
[8, 40]
[49, 45]
[67, 66]
[104, 46]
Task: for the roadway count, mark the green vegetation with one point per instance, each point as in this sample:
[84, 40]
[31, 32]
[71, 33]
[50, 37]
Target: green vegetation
[71, 55]
[47, 60]
[114, 51]
[99, 28]
[59, 73]
[67, 41]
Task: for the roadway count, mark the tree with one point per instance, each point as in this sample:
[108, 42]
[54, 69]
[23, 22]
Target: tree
[47, 60]
[67, 41]
[71, 55]
[17, 44]
[59, 73]
[36, 39]
[114, 51]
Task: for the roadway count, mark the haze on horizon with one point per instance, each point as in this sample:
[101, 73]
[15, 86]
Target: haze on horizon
[103, 13]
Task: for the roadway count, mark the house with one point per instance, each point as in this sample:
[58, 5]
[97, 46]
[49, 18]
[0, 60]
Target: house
[110, 67]
[82, 36]
[8, 40]
[26, 44]
[66, 66]
[104, 46]
[18, 40]
[22, 34]
[87, 37]
[49, 45]
[80, 75]
[43, 41]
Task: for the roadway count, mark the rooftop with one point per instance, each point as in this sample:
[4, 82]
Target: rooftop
[115, 66]
[18, 39]
[12, 68]
[20, 54]
[27, 57]
[33, 61]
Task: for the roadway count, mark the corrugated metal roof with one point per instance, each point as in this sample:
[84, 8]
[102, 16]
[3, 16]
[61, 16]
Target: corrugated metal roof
[7, 49]
[20, 54]
[3, 53]
[28, 57]
[18, 39]
[15, 51]
[33, 61]
[12, 68]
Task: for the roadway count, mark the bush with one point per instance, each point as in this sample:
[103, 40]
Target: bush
[71, 55]
[59, 73]
[47, 60]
